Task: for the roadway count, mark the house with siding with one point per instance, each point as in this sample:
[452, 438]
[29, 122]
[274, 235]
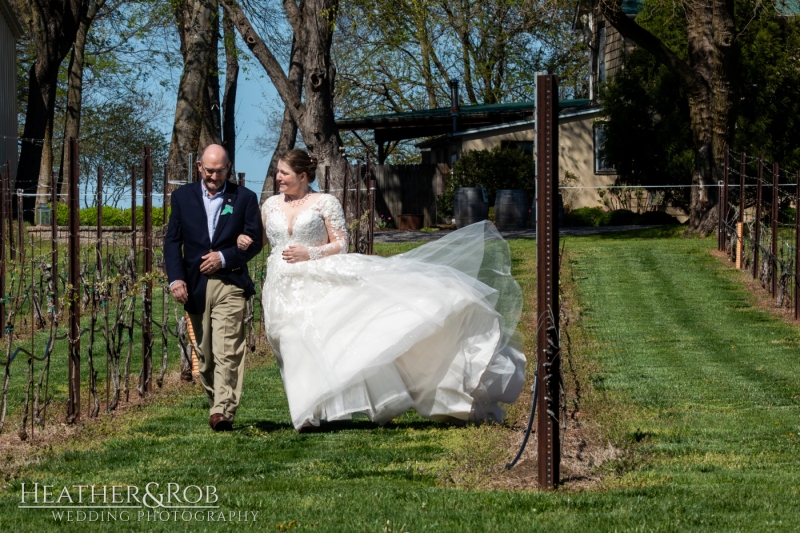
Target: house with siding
[448, 132]
[10, 32]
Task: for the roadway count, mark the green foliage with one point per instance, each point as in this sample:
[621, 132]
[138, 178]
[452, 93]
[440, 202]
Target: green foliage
[112, 216]
[502, 167]
[583, 216]
[596, 216]
[648, 134]
[649, 137]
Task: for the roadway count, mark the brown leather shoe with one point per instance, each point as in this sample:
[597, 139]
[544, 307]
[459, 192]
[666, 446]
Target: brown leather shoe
[220, 422]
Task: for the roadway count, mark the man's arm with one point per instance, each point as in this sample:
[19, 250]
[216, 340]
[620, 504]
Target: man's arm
[173, 245]
[253, 228]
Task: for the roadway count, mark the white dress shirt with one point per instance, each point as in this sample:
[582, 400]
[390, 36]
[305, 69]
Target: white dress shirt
[213, 205]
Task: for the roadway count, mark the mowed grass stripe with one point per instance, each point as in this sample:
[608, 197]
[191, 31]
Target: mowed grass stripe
[697, 416]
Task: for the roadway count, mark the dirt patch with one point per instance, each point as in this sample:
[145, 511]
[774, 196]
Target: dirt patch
[762, 296]
[584, 448]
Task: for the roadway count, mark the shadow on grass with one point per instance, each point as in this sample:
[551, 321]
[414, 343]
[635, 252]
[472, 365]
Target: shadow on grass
[659, 232]
[347, 425]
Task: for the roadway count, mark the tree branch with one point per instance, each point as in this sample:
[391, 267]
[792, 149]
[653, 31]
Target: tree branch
[612, 11]
[267, 59]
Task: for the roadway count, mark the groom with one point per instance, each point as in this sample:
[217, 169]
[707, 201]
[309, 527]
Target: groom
[208, 274]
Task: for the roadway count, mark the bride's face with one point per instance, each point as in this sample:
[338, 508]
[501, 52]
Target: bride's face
[289, 182]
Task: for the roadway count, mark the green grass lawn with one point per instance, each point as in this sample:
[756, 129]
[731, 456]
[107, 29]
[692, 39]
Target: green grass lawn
[697, 385]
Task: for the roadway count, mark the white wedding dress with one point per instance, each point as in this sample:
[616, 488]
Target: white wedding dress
[432, 329]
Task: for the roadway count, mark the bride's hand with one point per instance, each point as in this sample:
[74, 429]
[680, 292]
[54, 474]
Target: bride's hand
[295, 254]
[243, 242]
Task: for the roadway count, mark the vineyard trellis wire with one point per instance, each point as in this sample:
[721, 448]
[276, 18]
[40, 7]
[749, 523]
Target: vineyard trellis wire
[761, 232]
[117, 282]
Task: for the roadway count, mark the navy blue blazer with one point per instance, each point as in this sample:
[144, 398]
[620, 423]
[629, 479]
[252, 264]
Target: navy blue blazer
[186, 241]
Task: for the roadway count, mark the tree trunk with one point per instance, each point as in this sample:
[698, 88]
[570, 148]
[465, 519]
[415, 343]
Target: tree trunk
[707, 80]
[212, 125]
[288, 135]
[231, 84]
[72, 124]
[313, 24]
[53, 25]
[198, 41]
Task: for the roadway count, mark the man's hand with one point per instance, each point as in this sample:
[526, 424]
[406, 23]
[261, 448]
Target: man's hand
[295, 254]
[243, 242]
[179, 292]
[211, 263]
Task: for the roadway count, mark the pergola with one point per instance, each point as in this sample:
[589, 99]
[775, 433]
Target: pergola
[391, 128]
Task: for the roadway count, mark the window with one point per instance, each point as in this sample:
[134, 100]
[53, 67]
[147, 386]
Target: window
[601, 54]
[601, 166]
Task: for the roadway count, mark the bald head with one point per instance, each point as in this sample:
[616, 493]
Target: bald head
[216, 153]
[214, 166]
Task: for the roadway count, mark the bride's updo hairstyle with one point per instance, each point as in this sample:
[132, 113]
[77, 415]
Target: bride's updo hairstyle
[299, 161]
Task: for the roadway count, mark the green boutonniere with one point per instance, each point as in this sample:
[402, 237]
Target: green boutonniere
[227, 211]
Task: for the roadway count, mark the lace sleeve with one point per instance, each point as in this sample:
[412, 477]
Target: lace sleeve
[338, 242]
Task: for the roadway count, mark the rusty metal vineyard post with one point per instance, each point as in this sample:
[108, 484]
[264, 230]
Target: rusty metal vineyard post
[240, 175]
[74, 401]
[723, 215]
[797, 249]
[54, 238]
[373, 184]
[147, 268]
[547, 324]
[740, 225]
[165, 200]
[358, 202]
[12, 249]
[757, 236]
[775, 215]
[20, 230]
[2, 255]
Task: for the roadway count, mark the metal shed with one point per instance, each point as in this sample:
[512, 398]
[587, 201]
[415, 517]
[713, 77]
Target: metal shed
[10, 32]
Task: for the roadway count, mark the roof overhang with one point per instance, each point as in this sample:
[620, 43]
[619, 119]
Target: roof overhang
[11, 19]
[565, 113]
[436, 122]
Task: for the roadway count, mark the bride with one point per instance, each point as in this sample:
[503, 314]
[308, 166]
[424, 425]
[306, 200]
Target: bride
[432, 329]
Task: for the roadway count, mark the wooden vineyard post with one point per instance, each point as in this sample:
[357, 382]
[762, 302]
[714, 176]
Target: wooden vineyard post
[74, 400]
[739, 244]
[147, 268]
[548, 346]
[775, 215]
[190, 331]
[757, 236]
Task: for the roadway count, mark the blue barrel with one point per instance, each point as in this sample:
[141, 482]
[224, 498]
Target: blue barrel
[511, 209]
[471, 205]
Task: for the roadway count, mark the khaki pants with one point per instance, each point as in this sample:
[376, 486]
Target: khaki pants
[220, 337]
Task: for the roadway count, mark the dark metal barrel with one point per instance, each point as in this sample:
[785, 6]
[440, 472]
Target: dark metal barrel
[471, 205]
[511, 209]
